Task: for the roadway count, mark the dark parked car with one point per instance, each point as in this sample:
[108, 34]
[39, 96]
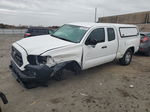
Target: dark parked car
[145, 43]
[34, 31]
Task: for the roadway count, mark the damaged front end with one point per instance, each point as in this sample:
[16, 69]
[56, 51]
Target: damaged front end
[32, 76]
[40, 70]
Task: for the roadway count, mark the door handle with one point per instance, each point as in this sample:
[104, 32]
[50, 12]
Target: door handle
[104, 47]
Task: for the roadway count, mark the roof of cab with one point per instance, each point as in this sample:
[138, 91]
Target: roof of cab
[90, 24]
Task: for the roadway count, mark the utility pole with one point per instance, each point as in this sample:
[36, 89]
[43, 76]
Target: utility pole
[95, 14]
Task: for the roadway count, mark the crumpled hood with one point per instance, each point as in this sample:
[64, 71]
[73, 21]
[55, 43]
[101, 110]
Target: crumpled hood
[39, 44]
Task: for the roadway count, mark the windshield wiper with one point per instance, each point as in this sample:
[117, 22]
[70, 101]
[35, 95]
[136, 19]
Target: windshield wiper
[62, 38]
[54, 36]
[65, 39]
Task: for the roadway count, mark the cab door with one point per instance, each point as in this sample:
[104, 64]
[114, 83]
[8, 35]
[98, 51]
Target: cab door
[97, 48]
[112, 42]
[94, 48]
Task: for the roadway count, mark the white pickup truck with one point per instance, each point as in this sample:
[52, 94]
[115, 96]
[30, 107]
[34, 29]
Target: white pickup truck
[75, 47]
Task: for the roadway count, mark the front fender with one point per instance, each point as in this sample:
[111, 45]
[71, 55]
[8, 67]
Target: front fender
[66, 54]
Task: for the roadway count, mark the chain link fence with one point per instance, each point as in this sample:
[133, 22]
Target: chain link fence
[12, 31]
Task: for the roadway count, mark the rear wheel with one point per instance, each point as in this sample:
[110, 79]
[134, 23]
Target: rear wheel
[126, 60]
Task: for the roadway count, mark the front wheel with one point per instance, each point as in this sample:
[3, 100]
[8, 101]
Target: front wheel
[126, 60]
[58, 76]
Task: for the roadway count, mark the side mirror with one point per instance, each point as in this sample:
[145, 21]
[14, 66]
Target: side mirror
[91, 42]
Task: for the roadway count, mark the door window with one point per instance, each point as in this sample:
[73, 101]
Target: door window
[98, 35]
[111, 34]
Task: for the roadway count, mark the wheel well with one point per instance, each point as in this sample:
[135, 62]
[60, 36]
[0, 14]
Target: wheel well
[132, 48]
[73, 66]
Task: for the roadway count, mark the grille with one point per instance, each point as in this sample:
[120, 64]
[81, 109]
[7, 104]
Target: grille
[16, 55]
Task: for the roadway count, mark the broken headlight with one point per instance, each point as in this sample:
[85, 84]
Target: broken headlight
[50, 61]
[32, 59]
[37, 60]
[41, 59]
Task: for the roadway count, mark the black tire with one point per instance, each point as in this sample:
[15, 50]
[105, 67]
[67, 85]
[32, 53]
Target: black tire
[58, 76]
[126, 60]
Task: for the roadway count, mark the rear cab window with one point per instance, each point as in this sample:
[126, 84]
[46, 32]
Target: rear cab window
[128, 32]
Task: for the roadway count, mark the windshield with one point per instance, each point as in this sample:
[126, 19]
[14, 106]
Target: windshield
[71, 33]
[148, 34]
[145, 34]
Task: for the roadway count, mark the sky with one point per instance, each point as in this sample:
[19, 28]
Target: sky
[59, 12]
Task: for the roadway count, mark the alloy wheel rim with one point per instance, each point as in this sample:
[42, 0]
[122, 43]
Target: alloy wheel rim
[128, 57]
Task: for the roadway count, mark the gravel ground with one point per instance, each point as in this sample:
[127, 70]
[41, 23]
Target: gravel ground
[106, 88]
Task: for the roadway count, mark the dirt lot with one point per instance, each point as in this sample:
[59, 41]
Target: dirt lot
[106, 88]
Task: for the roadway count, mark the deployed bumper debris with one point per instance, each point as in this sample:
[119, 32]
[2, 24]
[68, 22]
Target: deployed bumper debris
[39, 75]
[3, 97]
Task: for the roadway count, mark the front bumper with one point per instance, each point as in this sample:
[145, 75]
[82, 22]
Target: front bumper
[39, 75]
[32, 76]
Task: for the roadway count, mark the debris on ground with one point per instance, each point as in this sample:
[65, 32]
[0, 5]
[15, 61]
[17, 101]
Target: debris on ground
[34, 102]
[83, 94]
[131, 86]
[100, 84]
